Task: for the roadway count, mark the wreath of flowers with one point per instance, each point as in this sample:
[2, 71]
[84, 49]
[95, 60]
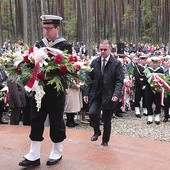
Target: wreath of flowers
[159, 83]
[36, 67]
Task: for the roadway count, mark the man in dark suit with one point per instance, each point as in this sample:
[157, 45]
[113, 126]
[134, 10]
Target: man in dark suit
[84, 51]
[3, 77]
[16, 100]
[104, 91]
[52, 102]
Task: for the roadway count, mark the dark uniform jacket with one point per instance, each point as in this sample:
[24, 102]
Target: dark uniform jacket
[140, 78]
[157, 70]
[167, 71]
[60, 44]
[109, 85]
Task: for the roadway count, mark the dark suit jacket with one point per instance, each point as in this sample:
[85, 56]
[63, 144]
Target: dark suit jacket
[84, 51]
[16, 94]
[112, 81]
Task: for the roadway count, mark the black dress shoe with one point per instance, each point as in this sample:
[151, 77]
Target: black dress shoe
[118, 114]
[95, 136]
[165, 120]
[53, 161]
[70, 125]
[149, 122]
[157, 122]
[104, 143]
[1, 122]
[75, 124]
[138, 115]
[28, 163]
[145, 114]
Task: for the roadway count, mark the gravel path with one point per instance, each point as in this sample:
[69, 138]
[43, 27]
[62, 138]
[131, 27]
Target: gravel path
[137, 127]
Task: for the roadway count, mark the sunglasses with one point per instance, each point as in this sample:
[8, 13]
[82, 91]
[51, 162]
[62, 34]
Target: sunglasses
[48, 28]
[101, 49]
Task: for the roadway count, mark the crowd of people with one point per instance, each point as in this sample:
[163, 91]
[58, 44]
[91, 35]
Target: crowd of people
[133, 61]
[119, 83]
[134, 89]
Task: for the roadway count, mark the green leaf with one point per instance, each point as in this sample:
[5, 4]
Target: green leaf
[57, 82]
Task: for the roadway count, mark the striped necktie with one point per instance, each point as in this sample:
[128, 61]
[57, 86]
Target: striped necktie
[103, 65]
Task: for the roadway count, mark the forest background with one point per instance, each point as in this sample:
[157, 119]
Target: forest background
[88, 21]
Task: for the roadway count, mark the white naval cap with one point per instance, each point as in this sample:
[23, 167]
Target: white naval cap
[143, 56]
[155, 59]
[167, 57]
[51, 19]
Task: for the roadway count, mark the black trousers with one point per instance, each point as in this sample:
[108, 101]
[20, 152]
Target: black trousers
[1, 108]
[94, 114]
[15, 115]
[166, 106]
[52, 104]
[140, 94]
[153, 98]
[26, 114]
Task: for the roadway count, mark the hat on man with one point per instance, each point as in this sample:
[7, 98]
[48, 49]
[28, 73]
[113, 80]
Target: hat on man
[121, 55]
[143, 57]
[157, 52]
[132, 55]
[167, 57]
[51, 19]
[155, 59]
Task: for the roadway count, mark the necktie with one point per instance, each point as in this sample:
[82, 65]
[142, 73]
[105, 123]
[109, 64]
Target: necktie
[1, 76]
[103, 65]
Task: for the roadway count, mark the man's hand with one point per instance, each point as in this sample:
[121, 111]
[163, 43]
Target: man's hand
[86, 99]
[114, 99]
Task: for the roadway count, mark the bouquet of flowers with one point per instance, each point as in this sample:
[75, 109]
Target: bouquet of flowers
[35, 66]
[159, 83]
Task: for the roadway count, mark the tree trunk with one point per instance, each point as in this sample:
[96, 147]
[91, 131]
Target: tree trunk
[79, 21]
[1, 38]
[25, 21]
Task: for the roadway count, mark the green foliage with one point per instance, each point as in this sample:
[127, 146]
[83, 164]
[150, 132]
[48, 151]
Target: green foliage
[128, 13]
[148, 26]
[147, 19]
[148, 34]
[70, 29]
[130, 71]
[70, 20]
[22, 75]
[56, 81]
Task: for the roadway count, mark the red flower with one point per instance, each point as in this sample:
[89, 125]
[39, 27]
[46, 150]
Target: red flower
[31, 50]
[50, 55]
[63, 69]
[77, 67]
[18, 68]
[72, 59]
[26, 59]
[41, 75]
[58, 59]
[75, 59]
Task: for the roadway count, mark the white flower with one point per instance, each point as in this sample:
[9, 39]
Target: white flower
[18, 58]
[39, 93]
